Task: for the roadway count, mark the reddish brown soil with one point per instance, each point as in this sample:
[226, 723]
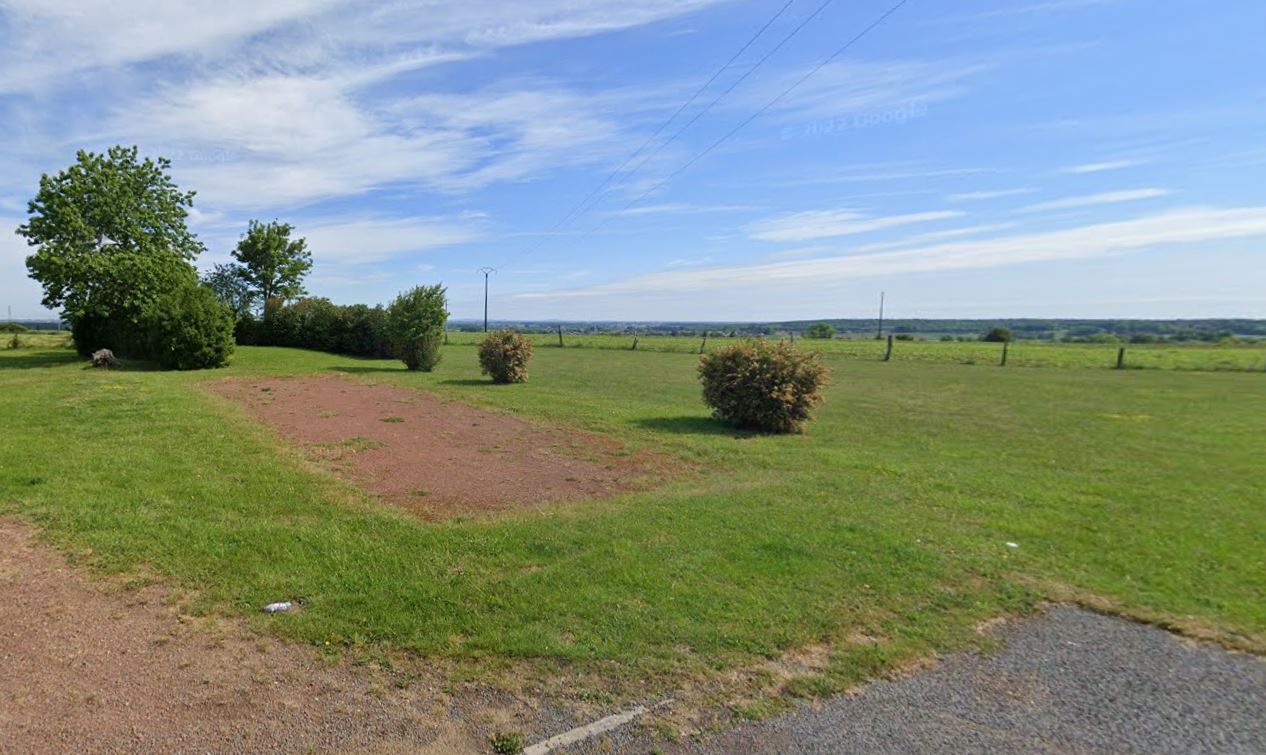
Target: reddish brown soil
[87, 670]
[434, 457]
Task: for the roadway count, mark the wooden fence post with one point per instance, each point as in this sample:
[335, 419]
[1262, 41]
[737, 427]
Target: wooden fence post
[704, 345]
[634, 346]
[1121, 358]
[1005, 344]
[560, 336]
[888, 351]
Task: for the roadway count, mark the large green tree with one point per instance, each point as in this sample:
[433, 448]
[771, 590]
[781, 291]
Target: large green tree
[110, 238]
[272, 263]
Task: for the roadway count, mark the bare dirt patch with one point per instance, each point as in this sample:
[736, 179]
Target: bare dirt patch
[433, 457]
[86, 670]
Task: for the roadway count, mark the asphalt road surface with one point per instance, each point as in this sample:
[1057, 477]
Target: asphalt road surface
[1069, 682]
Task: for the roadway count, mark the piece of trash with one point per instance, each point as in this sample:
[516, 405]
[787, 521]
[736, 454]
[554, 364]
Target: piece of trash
[1013, 545]
[278, 607]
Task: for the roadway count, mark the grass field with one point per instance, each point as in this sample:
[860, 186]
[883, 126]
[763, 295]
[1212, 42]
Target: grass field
[1245, 357]
[882, 532]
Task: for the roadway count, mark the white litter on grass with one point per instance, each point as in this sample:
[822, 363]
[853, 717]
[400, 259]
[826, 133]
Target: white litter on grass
[1013, 545]
[278, 607]
[580, 733]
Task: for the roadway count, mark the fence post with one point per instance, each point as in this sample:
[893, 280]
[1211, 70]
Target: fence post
[445, 336]
[1005, 344]
[560, 336]
[1121, 358]
[634, 347]
[704, 344]
[888, 351]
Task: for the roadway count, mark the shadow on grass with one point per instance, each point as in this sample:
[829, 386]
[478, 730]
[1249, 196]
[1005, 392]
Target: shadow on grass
[692, 425]
[468, 382]
[30, 360]
[357, 370]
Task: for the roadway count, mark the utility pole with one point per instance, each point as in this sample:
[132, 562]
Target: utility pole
[486, 271]
[880, 334]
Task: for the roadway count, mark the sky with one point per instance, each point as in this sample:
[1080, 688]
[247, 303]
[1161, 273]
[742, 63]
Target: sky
[974, 158]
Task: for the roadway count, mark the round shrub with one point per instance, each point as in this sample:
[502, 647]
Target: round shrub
[190, 329]
[762, 385]
[415, 326]
[504, 355]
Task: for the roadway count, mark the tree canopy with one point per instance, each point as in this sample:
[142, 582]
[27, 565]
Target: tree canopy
[110, 235]
[272, 263]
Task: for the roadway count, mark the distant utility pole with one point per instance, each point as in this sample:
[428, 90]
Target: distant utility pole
[486, 271]
[879, 335]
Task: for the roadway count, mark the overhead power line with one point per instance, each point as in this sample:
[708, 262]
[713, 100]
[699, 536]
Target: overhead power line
[580, 207]
[743, 124]
[729, 89]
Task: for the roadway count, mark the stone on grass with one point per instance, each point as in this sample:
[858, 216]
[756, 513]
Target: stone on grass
[104, 358]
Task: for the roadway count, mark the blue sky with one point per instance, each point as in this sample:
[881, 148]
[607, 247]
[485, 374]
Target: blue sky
[1078, 158]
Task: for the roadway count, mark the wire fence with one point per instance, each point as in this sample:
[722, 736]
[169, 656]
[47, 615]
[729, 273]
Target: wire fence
[1231, 357]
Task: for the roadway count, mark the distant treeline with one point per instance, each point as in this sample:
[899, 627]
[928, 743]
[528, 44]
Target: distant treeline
[40, 324]
[1032, 329]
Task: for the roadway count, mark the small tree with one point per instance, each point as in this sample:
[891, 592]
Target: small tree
[997, 335]
[759, 385]
[272, 263]
[820, 330]
[504, 356]
[415, 326]
[230, 287]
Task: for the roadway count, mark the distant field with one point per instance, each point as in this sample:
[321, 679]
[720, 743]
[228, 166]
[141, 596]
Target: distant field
[1233, 357]
[924, 499]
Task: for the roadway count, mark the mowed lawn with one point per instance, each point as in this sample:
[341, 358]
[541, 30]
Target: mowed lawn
[883, 531]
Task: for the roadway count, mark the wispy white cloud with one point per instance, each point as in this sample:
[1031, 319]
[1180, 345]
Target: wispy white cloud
[974, 196]
[923, 238]
[354, 241]
[51, 41]
[1190, 225]
[289, 103]
[1091, 200]
[854, 87]
[822, 224]
[680, 208]
[689, 262]
[1101, 167]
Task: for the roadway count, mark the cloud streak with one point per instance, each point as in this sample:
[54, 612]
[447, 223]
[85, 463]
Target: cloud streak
[1093, 200]
[823, 224]
[1190, 225]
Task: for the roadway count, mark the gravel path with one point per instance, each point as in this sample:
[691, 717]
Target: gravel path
[1072, 681]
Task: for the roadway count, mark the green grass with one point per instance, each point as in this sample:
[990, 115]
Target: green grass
[889, 519]
[1244, 357]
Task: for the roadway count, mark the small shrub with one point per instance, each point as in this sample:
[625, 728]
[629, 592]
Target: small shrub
[824, 330]
[759, 385]
[190, 329]
[504, 356]
[504, 743]
[421, 352]
[15, 342]
[415, 325]
[904, 337]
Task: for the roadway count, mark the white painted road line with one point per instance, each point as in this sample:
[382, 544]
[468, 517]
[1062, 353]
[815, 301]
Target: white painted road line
[600, 726]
